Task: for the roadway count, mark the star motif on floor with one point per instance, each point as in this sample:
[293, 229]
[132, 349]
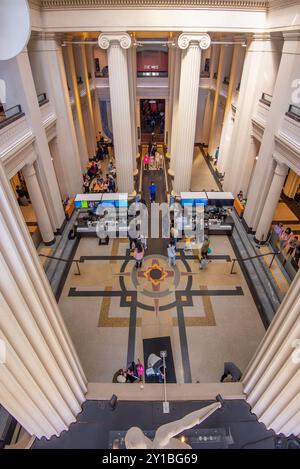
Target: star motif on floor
[155, 274]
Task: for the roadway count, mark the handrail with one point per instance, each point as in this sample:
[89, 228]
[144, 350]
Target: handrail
[254, 257]
[6, 117]
[68, 261]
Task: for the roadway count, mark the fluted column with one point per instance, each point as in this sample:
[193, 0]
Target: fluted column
[213, 127]
[42, 383]
[38, 204]
[79, 124]
[47, 52]
[292, 183]
[227, 121]
[191, 44]
[91, 141]
[46, 173]
[131, 56]
[116, 45]
[282, 91]
[175, 100]
[272, 379]
[271, 202]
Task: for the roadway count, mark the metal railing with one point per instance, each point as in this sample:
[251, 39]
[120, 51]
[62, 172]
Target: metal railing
[10, 115]
[274, 254]
[266, 99]
[67, 261]
[294, 112]
[42, 99]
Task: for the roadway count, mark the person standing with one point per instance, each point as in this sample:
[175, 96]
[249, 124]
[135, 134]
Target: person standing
[139, 256]
[171, 254]
[205, 247]
[21, 196]
[152, 190]
[146, 162]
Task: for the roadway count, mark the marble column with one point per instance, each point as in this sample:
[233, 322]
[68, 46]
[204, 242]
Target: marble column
[227, 121]
[288, 72]
[47, 53]
[175, 101]
[132, 70]
[214, 118]
[90, 124]
[272, 379]
[45, 169]
[191, 44]
[116, 45]
[42, 384]
[271, 202]
[79, 124]
[259, 75]
[38, 204]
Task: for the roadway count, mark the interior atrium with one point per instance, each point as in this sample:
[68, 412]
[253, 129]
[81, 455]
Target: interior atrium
[149, 224]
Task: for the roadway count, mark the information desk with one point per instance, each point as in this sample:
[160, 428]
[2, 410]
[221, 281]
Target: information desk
[211, 227]
[94, 216]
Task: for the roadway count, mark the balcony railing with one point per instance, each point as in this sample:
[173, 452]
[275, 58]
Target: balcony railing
[10, 115]
[226, 81]
[294, 112]
[42, 99]
[266, 99]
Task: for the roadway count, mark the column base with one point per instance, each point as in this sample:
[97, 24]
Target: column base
[138, 155]
[168, 156]
[60, 230]
[171, 173]
[135, 172]
[49, 243]
[257, 241]
[247, 228]
[132, 194]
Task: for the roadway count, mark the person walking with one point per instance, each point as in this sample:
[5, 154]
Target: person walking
[152, 189]
[146, 162]
[139, 256]
[205, 247]
[171, 250]
[140, 370]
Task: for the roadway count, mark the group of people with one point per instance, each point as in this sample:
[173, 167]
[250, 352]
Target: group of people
[153, 159]
[134, 373]
[23, 196]
[288, 241]
[94, 180]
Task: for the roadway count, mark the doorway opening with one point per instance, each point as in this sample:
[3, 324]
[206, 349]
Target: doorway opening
[152, 112]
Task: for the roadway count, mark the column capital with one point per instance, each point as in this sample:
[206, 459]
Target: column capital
[185, 39]
[281, 168]
[105, 40]
[29, 169]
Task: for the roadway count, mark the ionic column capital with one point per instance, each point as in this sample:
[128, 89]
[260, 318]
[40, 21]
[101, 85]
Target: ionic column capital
[281, 168]
[106, 39]
[28, 170]
[186, 39]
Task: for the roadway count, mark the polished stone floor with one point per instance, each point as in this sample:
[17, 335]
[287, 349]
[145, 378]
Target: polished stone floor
[111, 307]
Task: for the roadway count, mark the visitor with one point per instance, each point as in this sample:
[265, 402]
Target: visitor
[140, 370]
[138, 255]
[297, 254]
[231, 372]
[285, 236]
[171, 250]
[111, 183]
[22, 199]
[240, 196]
[110, 166]
[173, 233]
[86, 185]
[205, 247]
[293, 243]
[146, 162]
[152, 189]
[131, 373]
[157, 160]
[278, 229]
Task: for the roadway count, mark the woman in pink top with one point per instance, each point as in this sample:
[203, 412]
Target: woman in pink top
[138, 255]
[140, 370]
[146, 162]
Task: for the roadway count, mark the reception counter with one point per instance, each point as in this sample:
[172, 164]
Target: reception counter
[239, 207]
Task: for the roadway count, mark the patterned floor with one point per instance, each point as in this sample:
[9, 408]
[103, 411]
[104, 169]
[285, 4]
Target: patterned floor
[111, 307]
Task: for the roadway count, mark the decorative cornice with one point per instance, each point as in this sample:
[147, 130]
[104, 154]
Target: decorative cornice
[185, 39]
[226, 4]
[105, 39]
